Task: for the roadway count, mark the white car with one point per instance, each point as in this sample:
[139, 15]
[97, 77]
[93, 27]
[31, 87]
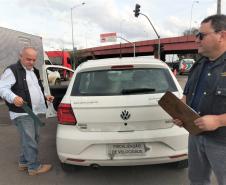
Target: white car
[109, 115]
[53, 77]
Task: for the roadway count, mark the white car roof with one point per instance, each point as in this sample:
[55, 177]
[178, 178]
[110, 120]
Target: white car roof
[122, 61]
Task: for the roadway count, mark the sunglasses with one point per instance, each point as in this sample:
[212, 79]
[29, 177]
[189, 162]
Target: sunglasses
[201, 35]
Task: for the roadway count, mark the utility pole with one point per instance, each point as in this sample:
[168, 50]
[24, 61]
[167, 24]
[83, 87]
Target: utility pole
[190, 27]
[218, 6]
[72, 33]
[136, 14]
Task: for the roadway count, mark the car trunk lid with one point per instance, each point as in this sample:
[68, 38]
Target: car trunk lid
[120, 113]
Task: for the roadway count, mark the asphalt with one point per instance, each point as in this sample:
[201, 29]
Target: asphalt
[137, 175]
[1, 102]
[9, 150]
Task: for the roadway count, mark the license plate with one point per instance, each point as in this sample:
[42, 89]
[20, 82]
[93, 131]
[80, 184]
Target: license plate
[126, 149]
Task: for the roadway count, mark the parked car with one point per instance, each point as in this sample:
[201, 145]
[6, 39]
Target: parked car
[185, 65]
[53, 75]
[61, 58]
[109, 115]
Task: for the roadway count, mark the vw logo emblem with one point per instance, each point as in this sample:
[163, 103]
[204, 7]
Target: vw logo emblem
[125, 115]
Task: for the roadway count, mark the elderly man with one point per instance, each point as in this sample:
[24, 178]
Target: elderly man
[21, 83]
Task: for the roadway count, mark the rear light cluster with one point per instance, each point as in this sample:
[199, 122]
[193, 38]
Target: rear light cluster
[65, 114]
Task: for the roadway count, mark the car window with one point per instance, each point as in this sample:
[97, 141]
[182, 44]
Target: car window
[47, 62]
[115, 82]
[56, 60]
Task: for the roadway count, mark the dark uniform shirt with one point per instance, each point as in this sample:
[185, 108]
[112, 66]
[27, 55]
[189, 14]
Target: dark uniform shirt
[205, 91]
[201, 85]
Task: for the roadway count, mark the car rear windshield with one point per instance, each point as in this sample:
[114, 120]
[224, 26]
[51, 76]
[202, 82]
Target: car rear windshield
[122, 82]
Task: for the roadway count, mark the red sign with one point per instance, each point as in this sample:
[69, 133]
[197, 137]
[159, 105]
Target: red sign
[108, 37]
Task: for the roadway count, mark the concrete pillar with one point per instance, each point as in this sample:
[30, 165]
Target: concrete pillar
[156, 53]
[162, 53]
[162, 56]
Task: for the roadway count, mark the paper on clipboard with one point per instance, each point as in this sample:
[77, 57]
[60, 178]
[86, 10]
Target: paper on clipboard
[177, 109]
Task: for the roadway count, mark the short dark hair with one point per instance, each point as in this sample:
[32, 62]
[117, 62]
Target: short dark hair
[218, 21]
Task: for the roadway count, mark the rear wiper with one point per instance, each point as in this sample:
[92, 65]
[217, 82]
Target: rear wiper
[138, 90]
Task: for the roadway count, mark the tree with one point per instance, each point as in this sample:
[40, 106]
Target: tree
[79, 57]
[193, 31]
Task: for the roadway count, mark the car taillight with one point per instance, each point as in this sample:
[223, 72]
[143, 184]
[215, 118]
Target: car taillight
[65, 114]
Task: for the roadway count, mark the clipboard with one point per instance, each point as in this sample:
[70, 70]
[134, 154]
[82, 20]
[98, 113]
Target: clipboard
[177, 109]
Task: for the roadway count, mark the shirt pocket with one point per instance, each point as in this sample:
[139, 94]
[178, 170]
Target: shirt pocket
[219, 102]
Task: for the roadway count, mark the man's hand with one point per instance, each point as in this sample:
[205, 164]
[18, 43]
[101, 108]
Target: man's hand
[208, 122]
[50, 98]
[18, 101]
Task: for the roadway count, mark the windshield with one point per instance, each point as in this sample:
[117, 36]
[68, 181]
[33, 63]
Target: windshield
[56, 60]
[122, 82]
[188, 62]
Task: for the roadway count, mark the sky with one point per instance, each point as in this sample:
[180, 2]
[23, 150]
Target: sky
[51, 19]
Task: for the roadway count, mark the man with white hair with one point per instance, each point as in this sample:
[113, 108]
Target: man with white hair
[21, 83]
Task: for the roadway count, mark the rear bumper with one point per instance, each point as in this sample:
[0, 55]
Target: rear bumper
[86, 148]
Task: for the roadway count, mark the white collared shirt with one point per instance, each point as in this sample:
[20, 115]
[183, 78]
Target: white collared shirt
[7, 80]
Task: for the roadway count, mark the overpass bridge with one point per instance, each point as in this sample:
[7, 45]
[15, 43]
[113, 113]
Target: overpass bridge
[173, 45]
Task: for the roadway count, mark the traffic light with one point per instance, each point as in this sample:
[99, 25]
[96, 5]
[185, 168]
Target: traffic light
[137, 10]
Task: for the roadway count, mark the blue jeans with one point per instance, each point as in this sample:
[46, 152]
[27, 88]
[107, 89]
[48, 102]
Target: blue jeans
[29, 138]
[204, 156]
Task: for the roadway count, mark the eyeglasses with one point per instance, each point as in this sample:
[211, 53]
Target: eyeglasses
[201, 35]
